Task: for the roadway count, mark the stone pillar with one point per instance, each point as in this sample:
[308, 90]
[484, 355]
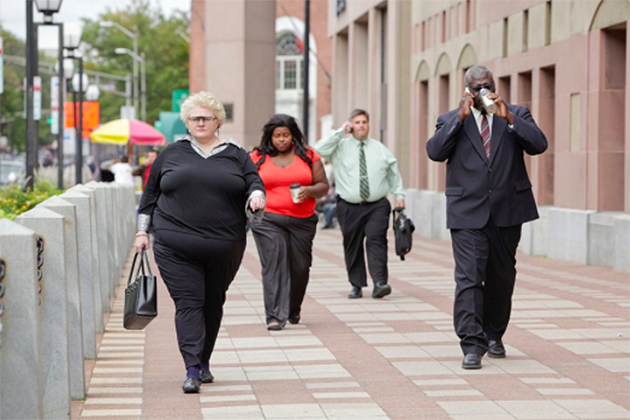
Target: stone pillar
[21, 388]
[89, 269]
[100, 210]
[76, 327]
[54, 310]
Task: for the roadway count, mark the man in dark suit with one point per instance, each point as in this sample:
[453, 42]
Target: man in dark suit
[488, 198]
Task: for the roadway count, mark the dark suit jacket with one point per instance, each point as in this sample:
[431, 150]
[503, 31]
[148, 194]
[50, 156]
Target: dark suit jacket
[478, 188]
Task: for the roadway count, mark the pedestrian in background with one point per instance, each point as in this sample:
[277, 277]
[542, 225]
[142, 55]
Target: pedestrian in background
[365, 172]
[328, 203]
[144, 169]
[122, 171]
[200, 191]
[488, 198]
[284, 236]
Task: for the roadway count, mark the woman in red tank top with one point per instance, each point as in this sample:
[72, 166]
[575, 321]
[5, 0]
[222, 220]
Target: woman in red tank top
[284, 236]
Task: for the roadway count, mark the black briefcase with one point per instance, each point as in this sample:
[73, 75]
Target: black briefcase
[140, 296]
[403, 232]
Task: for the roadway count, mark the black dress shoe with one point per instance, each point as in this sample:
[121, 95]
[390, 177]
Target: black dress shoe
[472, 361]
[496, 349]
[381, 289]
[191, 386]
[206, 376]
[294, 319]
[355, 293]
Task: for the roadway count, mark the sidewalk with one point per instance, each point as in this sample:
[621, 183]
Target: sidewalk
[568, 350]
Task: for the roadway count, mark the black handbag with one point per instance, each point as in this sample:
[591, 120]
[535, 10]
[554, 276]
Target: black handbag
[403, 232]
[140, 296]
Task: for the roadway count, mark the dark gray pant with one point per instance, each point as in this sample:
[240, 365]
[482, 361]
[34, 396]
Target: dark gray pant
[285, 248]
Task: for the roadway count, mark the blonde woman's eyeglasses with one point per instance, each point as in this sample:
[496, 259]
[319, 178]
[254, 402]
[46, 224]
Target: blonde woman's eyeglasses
[205, 120]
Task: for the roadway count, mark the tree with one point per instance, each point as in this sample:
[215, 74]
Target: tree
[166, 54]
[12, 118]
[12, 122]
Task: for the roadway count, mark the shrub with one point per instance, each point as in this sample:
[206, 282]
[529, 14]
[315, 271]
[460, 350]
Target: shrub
[15, 201]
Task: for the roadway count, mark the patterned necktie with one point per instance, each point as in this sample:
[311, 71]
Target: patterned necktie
[364, 186]
[485, 135]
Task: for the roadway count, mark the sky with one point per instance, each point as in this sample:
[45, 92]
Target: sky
[13, 15]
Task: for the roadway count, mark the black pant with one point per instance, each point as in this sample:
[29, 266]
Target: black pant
[366, 222]
[197, 272]
[285, 248]
[485, 274]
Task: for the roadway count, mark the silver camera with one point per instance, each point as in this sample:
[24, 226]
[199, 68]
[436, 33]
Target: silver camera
[488, 103]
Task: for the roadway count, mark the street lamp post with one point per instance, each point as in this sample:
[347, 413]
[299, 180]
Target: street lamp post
[48, 8]
[134, 37]
[71, 44]
[31, 135]
[143, 66]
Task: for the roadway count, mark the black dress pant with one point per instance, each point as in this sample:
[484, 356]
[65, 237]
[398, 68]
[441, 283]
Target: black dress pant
[197, 272]
[285, 248]
[485, 274]
[367, 223]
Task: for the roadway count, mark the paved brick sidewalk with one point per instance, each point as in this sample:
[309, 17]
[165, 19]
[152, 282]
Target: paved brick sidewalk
[568, 350]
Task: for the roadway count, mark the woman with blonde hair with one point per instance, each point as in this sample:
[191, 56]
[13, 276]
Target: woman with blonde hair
[200, 192]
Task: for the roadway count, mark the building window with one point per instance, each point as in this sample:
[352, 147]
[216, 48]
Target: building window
[288, 63]
[341, 6]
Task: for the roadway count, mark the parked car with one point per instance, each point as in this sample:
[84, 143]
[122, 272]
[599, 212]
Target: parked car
[11, 172]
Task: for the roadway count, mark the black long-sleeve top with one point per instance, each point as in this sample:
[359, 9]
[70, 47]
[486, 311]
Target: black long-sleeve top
[202, 196]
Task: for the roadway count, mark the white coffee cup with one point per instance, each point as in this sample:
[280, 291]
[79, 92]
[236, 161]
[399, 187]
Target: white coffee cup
[295, 192]
[488, 103]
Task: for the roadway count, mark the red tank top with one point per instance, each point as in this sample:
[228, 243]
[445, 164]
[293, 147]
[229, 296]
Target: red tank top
[277, 181]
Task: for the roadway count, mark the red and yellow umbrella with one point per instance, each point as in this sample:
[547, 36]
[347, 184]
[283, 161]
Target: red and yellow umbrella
[126, 131]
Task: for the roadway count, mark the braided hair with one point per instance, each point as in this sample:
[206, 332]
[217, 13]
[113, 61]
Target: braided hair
[266, 147]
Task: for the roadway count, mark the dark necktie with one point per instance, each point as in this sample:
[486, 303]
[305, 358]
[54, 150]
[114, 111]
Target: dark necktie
[364, 186]
[485, 135]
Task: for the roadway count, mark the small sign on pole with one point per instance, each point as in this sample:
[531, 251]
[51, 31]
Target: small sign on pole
[128, 112]
[37, 98]
[178, 97]
[1, 67]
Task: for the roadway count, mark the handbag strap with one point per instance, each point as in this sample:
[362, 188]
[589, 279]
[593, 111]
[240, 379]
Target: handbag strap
[133, 264]
[144, 259]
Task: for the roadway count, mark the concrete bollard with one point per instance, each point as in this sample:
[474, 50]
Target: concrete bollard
[75, 312]
[89, 271]
[21, 388]
[104, 189]
[54, 310]
[103, 256]
[113, 217]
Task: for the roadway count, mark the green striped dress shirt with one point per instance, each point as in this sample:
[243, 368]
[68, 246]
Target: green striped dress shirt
[383, 174]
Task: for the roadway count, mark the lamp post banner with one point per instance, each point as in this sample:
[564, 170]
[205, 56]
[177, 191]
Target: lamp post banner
[91, 116]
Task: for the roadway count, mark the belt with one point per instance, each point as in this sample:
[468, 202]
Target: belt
[360, 203]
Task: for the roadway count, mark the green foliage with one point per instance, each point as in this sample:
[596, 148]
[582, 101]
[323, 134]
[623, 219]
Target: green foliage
[15, 201]
[12, 123]
[165, 53]
[12, 120]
